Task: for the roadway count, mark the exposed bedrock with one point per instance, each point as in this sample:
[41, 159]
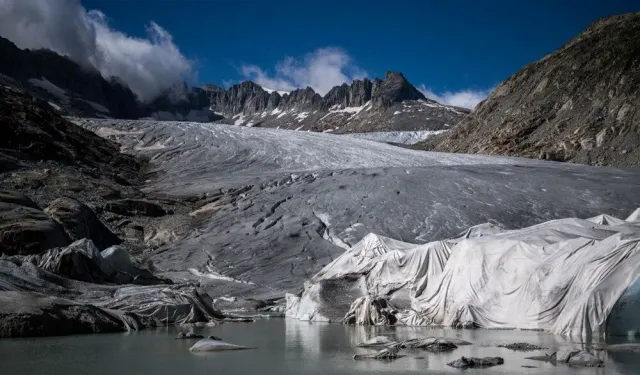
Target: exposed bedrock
[25, 228]
[79, 222]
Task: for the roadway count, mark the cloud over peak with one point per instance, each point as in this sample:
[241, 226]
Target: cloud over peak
[321, 70]
[147, 65]
[467, 98]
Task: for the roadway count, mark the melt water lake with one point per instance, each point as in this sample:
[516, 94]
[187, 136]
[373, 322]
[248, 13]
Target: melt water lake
[284, 347]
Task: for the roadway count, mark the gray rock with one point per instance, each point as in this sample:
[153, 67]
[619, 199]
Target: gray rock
[521, 346]
[24, 228]
[576, 104]
[389, 353]
[544, 358]
[579, 358]
[473, 362]
[135, 207]
[431, 344]
[79, 222]
[189, 336]
[25, 314]
[209, 345]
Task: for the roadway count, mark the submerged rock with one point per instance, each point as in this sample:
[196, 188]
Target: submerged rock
[545, 358]
[521, 346]
[473, 362]
[431, 344]
[209, 345]
[580, 358]
[377, 341]
[188, 335]
[385, 354]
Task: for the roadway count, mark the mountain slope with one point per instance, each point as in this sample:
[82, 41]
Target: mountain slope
[364, 106]
[67, 85]
[579, 104]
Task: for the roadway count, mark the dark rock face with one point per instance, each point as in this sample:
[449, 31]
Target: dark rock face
[135, 207]
[365, 105]
[183, 104]
[79, 222]
[24, 228]
[81, 84]
[579, 104]
[33, 132]
[78, 91]
[395, 88]
[473, 362]
[24, 314]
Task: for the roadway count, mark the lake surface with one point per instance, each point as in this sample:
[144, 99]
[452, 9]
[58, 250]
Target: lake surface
[284, 347]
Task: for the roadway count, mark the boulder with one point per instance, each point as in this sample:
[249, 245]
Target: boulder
[188, 335]
[79, 222]
[24, 228]
[473, 362]
[135, 207]
[579, 358]
[521, 346]
[209, 345]
[431, 344]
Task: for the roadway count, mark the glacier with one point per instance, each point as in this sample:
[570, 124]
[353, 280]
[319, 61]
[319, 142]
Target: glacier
[279, 206]
[568, 276]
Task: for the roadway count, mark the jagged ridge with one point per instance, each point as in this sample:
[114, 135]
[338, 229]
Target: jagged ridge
[365, 105]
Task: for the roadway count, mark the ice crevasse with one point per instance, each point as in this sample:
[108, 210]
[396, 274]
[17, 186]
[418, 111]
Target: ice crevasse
[570, 276]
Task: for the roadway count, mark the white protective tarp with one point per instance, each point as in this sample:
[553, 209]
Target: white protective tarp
[565, 276]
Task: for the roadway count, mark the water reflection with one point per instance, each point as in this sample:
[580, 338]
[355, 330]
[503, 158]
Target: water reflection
[284, 348]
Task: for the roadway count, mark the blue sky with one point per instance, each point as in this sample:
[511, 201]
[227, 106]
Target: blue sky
[447, 47]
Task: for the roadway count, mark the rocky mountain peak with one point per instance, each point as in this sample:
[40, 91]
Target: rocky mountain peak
[580, 103]
[395, 88]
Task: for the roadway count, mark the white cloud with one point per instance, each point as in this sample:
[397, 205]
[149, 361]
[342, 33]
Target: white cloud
[321, 70]
[463, 98]
[148, 65]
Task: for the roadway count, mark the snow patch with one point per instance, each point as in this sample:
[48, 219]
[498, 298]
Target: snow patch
[400, 137]
[50, 88]
[239, 120]
[97, 107]
[279, 92]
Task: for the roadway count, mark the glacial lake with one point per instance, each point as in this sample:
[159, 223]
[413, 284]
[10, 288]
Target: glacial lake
[284, 347]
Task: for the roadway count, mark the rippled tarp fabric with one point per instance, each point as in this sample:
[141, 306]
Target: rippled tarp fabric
[80, 273]
[568, 276]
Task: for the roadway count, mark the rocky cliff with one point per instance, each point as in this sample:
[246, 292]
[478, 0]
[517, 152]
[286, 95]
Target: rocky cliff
[580, 104]
[363, 106]
[68, 86]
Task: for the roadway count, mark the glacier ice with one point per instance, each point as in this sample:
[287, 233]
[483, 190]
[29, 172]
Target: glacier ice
[567, 276]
